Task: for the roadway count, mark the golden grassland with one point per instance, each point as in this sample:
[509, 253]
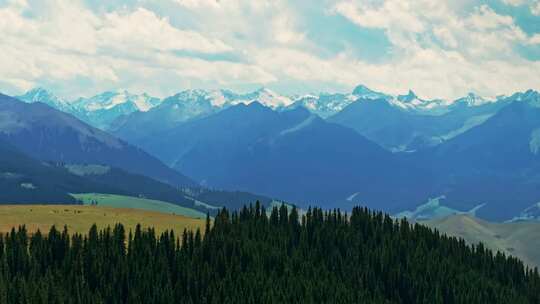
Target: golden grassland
[80, 218]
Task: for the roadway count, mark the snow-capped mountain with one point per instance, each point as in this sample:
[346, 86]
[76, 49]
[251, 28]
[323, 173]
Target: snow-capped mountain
[100, 110]
[44, 96]
[103, 109]
[187, 105]
[110, 100]
[472, 100]
[264, 96]
[324, 105]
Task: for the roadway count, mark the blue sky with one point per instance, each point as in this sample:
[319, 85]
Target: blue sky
[438, 48]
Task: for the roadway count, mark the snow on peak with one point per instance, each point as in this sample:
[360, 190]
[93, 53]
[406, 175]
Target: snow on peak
[225, 98]
[472, 100]
[269, 98]
[111, 99]
[38, 95]
[45, 96]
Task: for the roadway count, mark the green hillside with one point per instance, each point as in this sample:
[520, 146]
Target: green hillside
[120, 201]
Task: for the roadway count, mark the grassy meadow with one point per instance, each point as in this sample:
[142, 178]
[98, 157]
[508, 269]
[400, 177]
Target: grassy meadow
[119, 201]
[80, 218]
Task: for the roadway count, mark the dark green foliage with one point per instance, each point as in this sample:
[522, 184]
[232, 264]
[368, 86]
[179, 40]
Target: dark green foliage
[247, 257]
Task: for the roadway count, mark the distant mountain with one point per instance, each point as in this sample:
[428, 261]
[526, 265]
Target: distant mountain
[25, 180]
[172, 111]
[50, 135]
[187, 105]
[100, 110]
[291, 155]
[103, 109]
[325, 105]
[496, 163]
[397, 128]
[44, 96]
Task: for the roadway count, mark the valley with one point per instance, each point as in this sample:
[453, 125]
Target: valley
[120, 201]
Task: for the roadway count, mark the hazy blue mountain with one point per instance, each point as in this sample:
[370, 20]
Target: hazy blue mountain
[48, 134]
[103, 109]
[292, 155]
[399, 129]
[325, 105]
[496, 163]
[100, 110]
[44, 96]
[188, 105]
[172, 111]
[26, 180]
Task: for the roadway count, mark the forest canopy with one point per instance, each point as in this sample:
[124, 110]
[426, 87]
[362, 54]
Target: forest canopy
[252, 256]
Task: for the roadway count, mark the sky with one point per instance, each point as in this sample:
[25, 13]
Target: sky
[437, 48]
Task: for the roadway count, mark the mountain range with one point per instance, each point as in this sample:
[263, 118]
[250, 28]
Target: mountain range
[335, 150]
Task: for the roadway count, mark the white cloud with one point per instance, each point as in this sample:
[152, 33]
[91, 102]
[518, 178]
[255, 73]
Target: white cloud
[535, 8]
[284, 30]
[438, 48]
[535, 39]
[534, 5]
[514, 2]
[70, 42]
[441, 51]
[143, 29]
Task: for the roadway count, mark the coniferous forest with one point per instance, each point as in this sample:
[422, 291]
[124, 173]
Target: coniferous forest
[252, 257]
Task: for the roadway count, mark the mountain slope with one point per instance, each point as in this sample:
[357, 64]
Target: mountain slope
[398, 129]
[100, 111]
[496, 163]
[173, 111]
[291, 155]
[48, 134]
[517, 239]
[188, 105]
[25, 180]
[103, 109]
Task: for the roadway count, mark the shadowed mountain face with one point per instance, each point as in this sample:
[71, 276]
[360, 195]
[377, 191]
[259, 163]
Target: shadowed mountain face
[292, 155]
[497, 163]
[25, 180]
[48, 134]
[476, 154]
[400, 130]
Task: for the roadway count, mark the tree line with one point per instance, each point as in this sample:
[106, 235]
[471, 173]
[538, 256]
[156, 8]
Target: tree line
[251, 256]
